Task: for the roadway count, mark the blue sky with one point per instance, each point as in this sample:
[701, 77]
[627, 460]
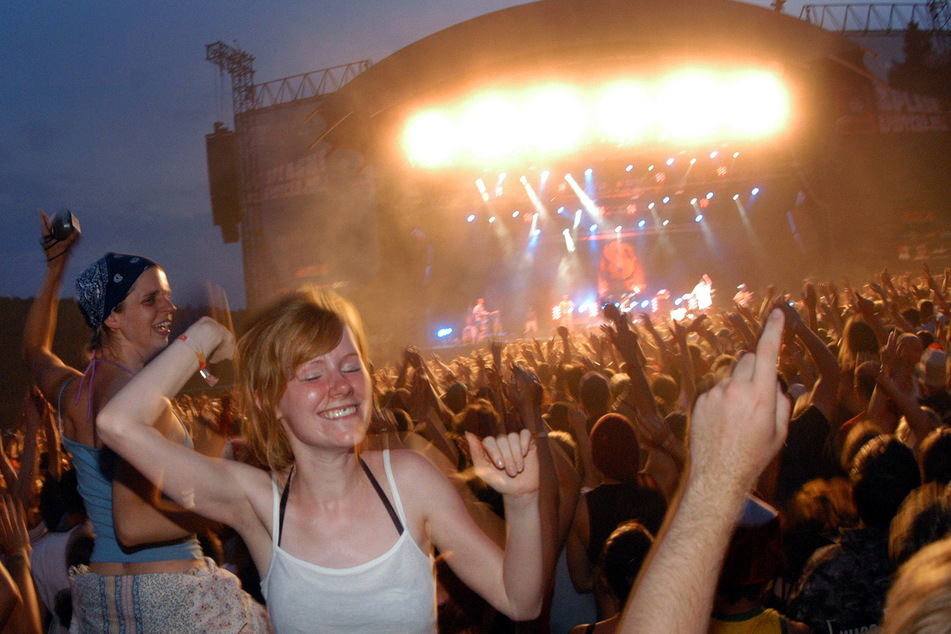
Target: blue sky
[105, 105]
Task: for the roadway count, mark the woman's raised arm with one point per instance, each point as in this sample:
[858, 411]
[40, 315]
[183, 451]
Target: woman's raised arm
[211, 487]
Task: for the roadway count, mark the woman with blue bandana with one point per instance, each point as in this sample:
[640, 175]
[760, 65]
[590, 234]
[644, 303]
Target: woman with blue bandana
[146, 573]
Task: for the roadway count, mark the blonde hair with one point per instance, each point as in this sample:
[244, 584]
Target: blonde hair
[296, 328]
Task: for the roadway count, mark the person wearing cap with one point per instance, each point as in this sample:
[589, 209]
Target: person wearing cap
[145, 553]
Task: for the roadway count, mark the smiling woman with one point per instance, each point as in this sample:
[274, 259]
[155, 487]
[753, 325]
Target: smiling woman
[343, 538]
[145, 549]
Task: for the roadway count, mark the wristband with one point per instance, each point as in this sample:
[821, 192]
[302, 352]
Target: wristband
[210, 378]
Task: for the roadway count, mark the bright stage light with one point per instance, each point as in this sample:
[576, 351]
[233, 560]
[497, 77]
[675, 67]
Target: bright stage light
[617, 229]
[646, 303]
[693, 161]
[761, 105]
[428, 139]
[698, 218]
[693, 201]
[593, 228]
[754, 191]
[640, 225]
[553, 119]
[650, 206]
[490, 128]
[515, 213]
[666, 199]
[471, 218]
[709, 195]
[685, 107]
[714, 154]
[443, 332]
[665, 223]
[670, 162]
[622, 113]
[628, 168]
[569, 243]
[491, 219]
[736, 196]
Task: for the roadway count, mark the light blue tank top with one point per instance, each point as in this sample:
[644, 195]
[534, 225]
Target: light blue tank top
[95, 487]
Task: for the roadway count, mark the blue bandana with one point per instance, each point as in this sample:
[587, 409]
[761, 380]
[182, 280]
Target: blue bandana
[107, 281]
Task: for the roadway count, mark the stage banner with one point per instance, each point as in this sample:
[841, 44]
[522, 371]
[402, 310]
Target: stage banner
[315, 212]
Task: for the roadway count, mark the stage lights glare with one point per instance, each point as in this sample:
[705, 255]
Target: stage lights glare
[666, 199]
[545, 175]
[640, 225]
[593, 228]
[650, 206]
[698, 218]
[491, 219]
[442, 333]
[537, 122]
[736, 155]
[670, 162]
[754, 191]
[515, 213]
[617, 229]
[622, 112]
[736, 196]
[714, 154]
[693, 161]
[709, 195]
[665, 223]
[693, 201]
[646, 303]
[588, 172]
[628, 168]
[471, 218]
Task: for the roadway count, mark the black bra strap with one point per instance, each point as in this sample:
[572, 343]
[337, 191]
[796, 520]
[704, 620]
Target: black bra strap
[283, 508]
[386, 501]
[376, 486]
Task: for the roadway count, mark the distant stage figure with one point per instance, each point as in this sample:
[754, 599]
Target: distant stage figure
[480, 319]
[620, 271]
[703, 293]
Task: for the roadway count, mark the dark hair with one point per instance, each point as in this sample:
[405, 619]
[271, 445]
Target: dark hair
[935, 453]
[623, 555]
[883, 473]
[923, 518]
[480, 418]
[594, 393]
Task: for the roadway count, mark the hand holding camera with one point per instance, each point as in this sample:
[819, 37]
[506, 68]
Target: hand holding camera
[59, 233]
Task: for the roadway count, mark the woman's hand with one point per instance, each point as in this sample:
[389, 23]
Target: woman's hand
[507, 462]
[215, 340]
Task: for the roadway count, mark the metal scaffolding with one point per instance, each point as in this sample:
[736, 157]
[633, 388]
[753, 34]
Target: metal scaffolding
[879, 19]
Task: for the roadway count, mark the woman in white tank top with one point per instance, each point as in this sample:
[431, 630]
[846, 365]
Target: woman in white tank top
[342, 539]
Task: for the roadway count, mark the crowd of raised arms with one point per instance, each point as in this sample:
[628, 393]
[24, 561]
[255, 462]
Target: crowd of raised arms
[778, 466]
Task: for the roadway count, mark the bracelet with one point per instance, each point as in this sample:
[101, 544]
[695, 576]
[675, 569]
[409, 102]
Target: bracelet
[210, 378]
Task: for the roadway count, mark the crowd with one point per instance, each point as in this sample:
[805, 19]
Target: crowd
[777, 466]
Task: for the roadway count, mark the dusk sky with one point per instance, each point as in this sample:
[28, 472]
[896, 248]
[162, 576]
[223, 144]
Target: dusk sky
[105, 106]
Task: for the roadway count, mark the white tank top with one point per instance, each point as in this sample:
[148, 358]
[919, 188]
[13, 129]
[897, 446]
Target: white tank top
[395, 592]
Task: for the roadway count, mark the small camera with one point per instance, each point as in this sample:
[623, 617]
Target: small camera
[64, 223]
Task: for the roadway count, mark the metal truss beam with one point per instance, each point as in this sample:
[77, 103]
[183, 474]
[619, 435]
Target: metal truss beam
[878, 19]
[313, 84]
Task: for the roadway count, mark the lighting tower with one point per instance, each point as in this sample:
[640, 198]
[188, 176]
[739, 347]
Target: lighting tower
[239, 64]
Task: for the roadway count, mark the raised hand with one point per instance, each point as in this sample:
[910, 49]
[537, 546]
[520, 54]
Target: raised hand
[508, 462]
[739, 425]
